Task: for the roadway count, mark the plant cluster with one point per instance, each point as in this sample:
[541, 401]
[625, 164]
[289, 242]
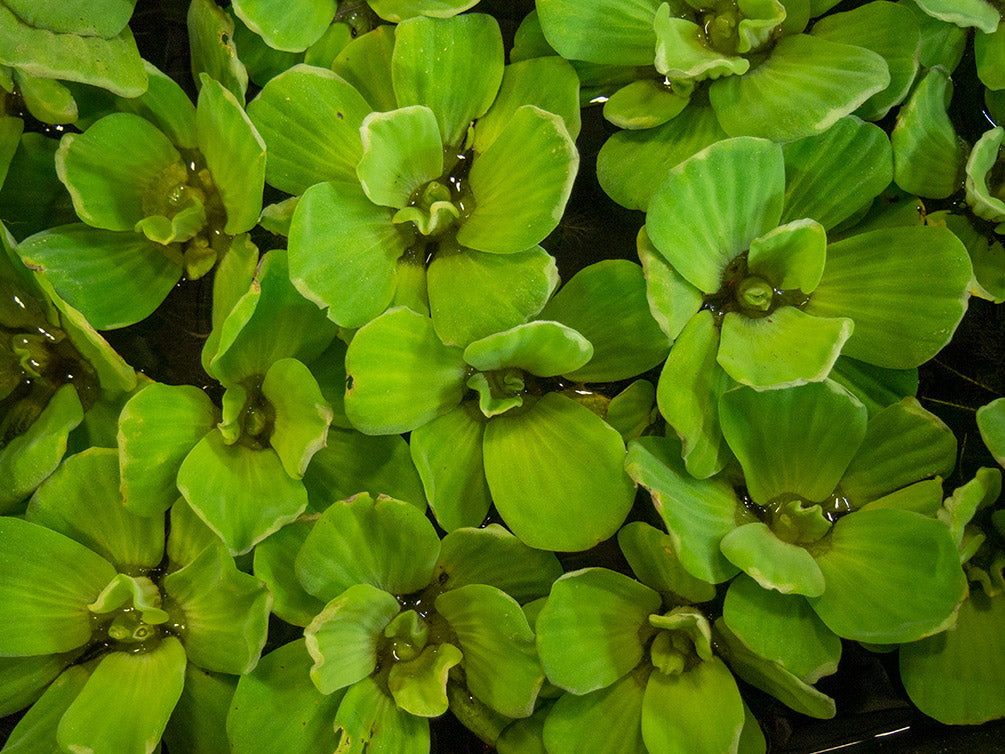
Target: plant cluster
[386, 492]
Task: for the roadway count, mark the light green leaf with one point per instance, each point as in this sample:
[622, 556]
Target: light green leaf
[46, 99]
[274, 564]
[291, 25]
[905, 288]
[573, 510]
[501, 667]
[643, 104]
[166, 105]
[982, 160]
[82, 501]
[608, 719]
[322, 143]
[964, 13]
[198, 722]
[710, 207]
[573, 30]
[797, 441]
[772, 562]
[991, 424]
[24, 679]
[366, 64]
[75, 16]
[277, 709]
[343, 638]
[989, 49]
[211, 44]
[36, 731]
[593, 628]
[419, 686]
[226, 612]
[241, 493]
[682, 53]
[369, 721]
[697, 710]
[399, 374]
[652, 558]
[875, 386]
[301, 414]
[445, 81]
[542, 348]
[804, 87]
[83, 264]
[385, 543]
[188, 535]
[448, 455]
[520, 184]
[157, 429]
[473, 294]
[399, 10]
[402, 151]
[791, 256]
[873, 554]
[127, 701]
[234, 153]
[356, 278]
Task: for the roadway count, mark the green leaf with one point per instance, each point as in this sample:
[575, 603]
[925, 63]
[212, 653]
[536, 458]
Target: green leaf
[274, 564]
[573, 510]
[885, 28]
[520, 183]
[982, 160]
[277, 709]
[166, 105]
[989, 49]
[804, 86]
[873, 554]
[473, 294]
[211, 44]
[697, 513]
[541, 348]
[76, 16]
[772, 562]
[829, 176]
[112, 63]
[632, 411]
[991, 424]
[796, 441]
[198, 722]
[786, 348]
[322, 143]
[710, 207]
[781, 628]
[608, 719]
[292, 26]
[343, 638]
[352, 462]
[956, 676]
[226, 612]
[963, 13]
[356, 279]
[234, 152]
[493, 556]
[301, 414]
[593, 628]
[402, 151]
[790, 256]
[399, 10]
[82, 501]
[127, 701]
[643, 104]
[114, 168]
[880, 279]
[628, 37]
[923, 497]
[36, 731]
[188, 535]
[419, 686]
[29, 458]
[903, 443]
[83, 264]
[157, 429]
[366, 64]
[697, 710]
[874, 386]
[400, 376]
[651, 556]
[385, 543]
[928, 156]
[682, 53]
[446, 82]
[606, 303]
[242, 494]
[501, 667]
[24, 679]
[368, 720]
[48, 580]
[448, 455]
[46, 99]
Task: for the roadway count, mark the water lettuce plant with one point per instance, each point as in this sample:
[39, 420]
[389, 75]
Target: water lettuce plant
[542, 376]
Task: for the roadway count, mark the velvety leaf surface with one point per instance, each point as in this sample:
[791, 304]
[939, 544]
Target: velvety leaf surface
[277, 708]
[609, 719]
[593, 628]
[385, 543]
[651, 555]
[521, 453]
[873, 554]
[149, 460]
[699, 243]
[241, 493]
[84, 263]
[796, 441]
[501, 667]
[126, 702]
[447, 83]
[697, 513]
[402, 151]
[226, 612]
[322, 143]
[82, 501]
[520, 184]
[880, 278]
[47, 582]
